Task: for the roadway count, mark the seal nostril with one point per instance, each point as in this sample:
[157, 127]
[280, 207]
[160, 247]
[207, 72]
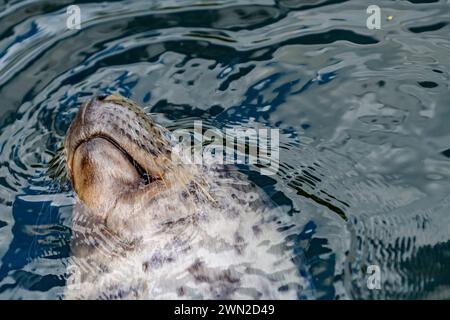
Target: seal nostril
[102, 96]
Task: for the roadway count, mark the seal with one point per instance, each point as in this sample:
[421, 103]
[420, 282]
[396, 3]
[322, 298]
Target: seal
[148, 226]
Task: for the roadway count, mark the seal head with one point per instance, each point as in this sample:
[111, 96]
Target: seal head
[116, 155]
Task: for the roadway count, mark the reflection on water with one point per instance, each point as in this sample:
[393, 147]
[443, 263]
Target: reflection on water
[363, 115]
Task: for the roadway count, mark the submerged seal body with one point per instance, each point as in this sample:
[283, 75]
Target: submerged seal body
[147, 226]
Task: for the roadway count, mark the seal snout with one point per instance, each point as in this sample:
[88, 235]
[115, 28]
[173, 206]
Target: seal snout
[101, 172]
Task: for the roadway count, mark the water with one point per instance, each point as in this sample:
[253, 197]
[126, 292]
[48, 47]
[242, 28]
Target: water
[363, 115]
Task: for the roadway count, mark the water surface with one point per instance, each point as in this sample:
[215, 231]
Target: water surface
[363, 115]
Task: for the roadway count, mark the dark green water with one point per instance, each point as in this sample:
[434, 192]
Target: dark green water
[363, 115]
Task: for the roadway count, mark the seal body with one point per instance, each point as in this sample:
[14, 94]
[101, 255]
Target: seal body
[149, 226]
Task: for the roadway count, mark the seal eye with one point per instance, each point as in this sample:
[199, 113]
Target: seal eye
[102, 96]
[146, 178]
